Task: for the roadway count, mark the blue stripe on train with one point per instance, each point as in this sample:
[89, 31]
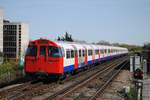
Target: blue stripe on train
[68, 68]
[90, 62]
[71, 67]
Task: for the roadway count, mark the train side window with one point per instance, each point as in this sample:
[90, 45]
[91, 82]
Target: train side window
[96, 51]
[101, 51]
[72, 54]
[108, 50]
[105, 50]
[89, 52]
[63, 51]
[68, 54]
[83, 53]
[92, 52]
[42, 51]
[79, 53]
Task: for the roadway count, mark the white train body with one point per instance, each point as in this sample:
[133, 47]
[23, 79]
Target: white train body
[99, 53]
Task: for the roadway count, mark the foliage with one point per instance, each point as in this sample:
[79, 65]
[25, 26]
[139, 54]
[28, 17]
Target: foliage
[131, 48]
[102, 42]
[8, 67]
[132, 95]
[67, 37]
[146, 46]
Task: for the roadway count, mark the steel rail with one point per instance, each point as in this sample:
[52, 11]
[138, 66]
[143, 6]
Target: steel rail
[60, 94]
[107, 83]
[18, 91]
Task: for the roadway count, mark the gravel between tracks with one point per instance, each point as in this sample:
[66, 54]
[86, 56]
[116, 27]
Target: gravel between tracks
[112, 91]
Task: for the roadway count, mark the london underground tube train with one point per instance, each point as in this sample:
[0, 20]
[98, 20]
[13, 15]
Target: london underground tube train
[50, 58]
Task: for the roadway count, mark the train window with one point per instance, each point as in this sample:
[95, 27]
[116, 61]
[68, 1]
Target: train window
[54, 52]
[105, 50]
[43, 51]
[67, 54]
[89, 52]
[108, 50]
[72, 54]
[83, 53]
[101, 51]
[97, 52]
[79, 53]
[31, 51]
[63, 52]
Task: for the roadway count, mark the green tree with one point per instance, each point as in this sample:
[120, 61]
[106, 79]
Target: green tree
[146, 46]
[67, 37]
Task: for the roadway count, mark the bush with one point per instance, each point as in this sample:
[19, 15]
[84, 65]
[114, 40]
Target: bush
[8, 67]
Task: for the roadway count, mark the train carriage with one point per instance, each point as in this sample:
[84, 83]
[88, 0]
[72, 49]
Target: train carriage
[58, 58]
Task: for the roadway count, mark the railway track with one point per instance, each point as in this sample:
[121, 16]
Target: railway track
[28, 90]
[70, 89]
[22, 90]
[106, 83]
[14, 92]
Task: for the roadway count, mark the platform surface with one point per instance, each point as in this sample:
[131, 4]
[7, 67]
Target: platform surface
[146, 88]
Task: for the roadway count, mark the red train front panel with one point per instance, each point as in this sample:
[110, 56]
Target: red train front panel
[44, 56]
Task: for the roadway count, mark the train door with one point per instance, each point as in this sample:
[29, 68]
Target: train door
[76, 60]
[55, 60]
[93, 55]
[75, 57]
[85, 56]
[30, 58]
[42, 58]
[99, 54]
[103, 50]
[81, 58]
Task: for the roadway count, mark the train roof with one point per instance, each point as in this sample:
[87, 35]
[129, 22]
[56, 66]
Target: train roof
[71, 45]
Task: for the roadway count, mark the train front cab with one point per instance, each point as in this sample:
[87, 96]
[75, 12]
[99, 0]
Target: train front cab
[44, 58]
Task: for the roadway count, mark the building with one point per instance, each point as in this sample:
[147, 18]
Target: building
[1, 36]
[16, 38]
[1, 30]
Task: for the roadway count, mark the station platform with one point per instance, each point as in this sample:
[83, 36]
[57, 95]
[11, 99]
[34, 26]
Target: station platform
[146, 87]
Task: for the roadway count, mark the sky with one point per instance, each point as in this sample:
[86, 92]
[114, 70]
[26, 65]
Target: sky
[122, 21]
